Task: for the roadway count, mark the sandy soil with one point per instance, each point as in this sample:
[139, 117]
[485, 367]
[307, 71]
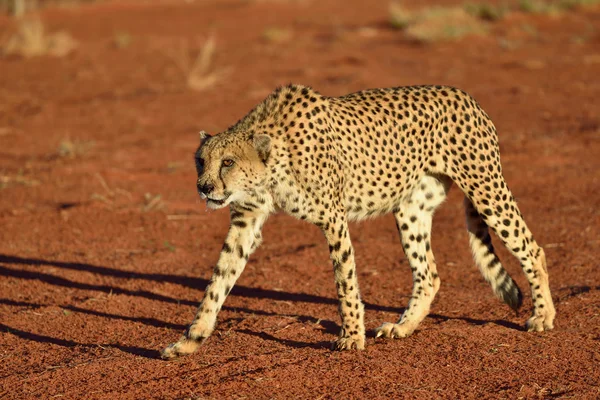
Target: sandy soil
[105, 248]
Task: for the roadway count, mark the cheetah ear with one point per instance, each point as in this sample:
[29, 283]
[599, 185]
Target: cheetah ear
[203, 136]
[262, 144]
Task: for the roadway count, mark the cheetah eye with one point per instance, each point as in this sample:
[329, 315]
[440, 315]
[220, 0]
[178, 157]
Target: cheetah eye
[227, 162]
[199, 164]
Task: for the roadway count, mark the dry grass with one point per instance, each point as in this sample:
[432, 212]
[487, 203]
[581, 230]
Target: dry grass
[433, 24]
[18, 8]
[494, 12]
[445, 24]
[486, 11]
[537, 7]
[109, 195]
[68, 148]
[553, 7]
[31, 40]
[122, 40]
[14, 7]
[198, 71]
[16, 180]
[153, 202]
[579, 3]
[277, 35]
[200, 77]
[436, 23]
[400, 17]
[117, 198]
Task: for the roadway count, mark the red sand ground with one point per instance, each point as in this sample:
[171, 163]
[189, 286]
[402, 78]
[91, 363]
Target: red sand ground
[94, 282]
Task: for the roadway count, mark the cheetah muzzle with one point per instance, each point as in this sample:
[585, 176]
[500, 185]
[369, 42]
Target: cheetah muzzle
[330, 160]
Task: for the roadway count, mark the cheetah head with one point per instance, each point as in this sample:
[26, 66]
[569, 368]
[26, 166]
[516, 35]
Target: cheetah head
[230, 167]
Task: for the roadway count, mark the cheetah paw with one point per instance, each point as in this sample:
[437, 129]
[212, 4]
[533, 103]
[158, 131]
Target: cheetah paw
[349, 343]
[540, 323]
[391, 331]
[196, 334]
[182, 347]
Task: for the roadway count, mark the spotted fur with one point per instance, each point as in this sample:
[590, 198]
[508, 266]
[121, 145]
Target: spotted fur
[329, 160]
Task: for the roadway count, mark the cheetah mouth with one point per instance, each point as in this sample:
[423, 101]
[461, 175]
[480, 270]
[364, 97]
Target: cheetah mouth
[216, 202]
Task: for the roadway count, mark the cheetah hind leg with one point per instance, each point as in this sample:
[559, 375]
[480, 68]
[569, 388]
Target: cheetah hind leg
[507, 222]
[414, 224]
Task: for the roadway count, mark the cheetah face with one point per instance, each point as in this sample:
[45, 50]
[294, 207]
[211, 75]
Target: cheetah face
[230, 168]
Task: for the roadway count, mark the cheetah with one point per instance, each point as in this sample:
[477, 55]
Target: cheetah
[330, 160]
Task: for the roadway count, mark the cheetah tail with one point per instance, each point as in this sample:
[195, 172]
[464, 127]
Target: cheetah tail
[487, 261]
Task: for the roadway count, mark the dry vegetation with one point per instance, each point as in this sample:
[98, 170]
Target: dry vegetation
[486, 11]
[15, 7]
[122, 40]
[68, 148]
[198, 71]
[31, 40]
[116, 198]
[18, 8]
[553, 7]
[448, 23]
[153, 202]
[436, 23]
[18, 179]
[277, 35]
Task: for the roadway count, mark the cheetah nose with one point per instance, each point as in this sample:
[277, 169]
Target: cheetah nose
[206, 189]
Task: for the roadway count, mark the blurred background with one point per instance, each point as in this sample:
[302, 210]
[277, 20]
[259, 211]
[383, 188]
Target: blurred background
[104, 242]
[80, 77]
[105, 84]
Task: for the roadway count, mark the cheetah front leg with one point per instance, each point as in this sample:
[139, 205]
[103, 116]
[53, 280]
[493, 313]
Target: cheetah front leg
[243, 238]
[425, 283]
[351, 308]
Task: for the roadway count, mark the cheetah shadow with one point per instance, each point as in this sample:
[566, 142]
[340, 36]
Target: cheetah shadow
[325, 326]
[331, 328]
[328, 327]
[137, 351]
[296, 344]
